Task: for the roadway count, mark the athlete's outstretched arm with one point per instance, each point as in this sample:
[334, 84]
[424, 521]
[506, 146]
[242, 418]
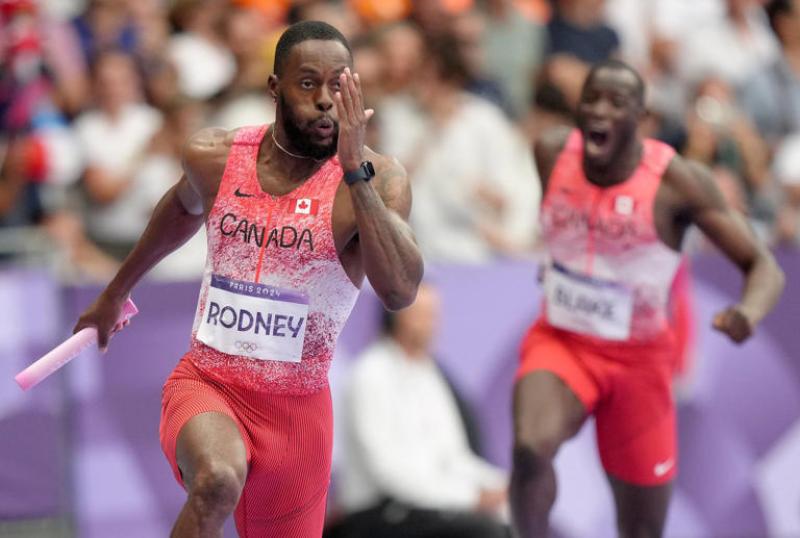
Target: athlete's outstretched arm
[764, 280]
[389, 253]
[174, 220]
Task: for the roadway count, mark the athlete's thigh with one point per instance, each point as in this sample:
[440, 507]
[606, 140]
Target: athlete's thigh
[641, 510]
[207, 440]
[546, 411]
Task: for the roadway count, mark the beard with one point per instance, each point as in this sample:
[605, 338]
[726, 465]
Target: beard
[301, 141]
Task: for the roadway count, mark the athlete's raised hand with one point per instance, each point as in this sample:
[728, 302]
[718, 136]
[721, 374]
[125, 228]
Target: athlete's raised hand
[735, 323]
[353, 120]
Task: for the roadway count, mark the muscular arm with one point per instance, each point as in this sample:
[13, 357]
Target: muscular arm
[389, 253]
[704, 205]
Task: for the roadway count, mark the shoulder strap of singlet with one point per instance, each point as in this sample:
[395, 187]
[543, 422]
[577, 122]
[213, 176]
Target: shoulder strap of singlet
[567, 168]
[240, 166]
[657, 156]
[250, 136]
[574, 141]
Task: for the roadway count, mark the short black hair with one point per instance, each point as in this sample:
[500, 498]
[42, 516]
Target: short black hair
[618, 65]
[303, 31]
[778, 8]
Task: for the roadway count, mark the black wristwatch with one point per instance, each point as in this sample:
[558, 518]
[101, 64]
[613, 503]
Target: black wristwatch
[365, 172]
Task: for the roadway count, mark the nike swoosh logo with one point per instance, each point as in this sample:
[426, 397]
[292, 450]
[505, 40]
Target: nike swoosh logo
[237, 192]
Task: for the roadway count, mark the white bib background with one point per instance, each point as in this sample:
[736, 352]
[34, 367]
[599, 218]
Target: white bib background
[254, 320]
[586, 305]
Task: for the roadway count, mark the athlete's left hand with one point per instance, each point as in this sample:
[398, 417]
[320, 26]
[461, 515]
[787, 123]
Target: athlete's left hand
[735, 323]
[353, 120]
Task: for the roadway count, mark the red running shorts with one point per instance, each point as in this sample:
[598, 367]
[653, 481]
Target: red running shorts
[288, 440]
[628, 390]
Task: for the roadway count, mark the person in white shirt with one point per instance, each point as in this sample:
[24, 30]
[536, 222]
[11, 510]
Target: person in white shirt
[113, 137]
[476, 191]
[407, 469]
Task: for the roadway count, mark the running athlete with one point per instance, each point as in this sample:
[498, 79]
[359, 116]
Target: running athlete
[295, 220]
[615, 212]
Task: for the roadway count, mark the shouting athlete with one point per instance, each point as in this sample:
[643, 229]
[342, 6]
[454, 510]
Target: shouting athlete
[615, 211]
[297, 213]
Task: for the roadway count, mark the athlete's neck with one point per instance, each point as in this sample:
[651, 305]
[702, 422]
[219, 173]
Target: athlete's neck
[277, 153]
[618, 169]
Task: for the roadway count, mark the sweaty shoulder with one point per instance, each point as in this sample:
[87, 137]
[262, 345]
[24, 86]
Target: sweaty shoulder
[547, 149]
[205, 152]
[692, 185]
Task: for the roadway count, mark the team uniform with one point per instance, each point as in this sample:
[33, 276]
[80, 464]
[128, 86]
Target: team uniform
[605, 329]
[273, 300]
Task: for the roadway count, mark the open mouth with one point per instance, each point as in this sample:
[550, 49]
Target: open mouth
[324, 128]
[597, 139]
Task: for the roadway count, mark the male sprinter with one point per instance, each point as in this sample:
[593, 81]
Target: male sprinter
[295, 219]
[613, 218]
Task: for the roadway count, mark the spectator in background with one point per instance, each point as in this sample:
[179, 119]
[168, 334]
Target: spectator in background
[732, 48]
[369, 65]
[337, 13]
[468, 29]
[720, 137]
[475, 191]
[402, 46]
[159, 168]
[114, 136]
[106, 25]
[578, 29]
[409, 470]
[772, 97]
[508, 29]
[246, 100]
[205, 65]
[787, 172]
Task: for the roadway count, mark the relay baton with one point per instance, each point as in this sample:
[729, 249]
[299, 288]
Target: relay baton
[66, 351]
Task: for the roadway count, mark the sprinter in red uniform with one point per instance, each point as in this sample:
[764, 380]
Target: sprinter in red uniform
[614, 215]
[297, 213]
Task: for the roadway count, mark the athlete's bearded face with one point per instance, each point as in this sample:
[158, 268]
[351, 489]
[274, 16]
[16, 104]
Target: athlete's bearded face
[305, 96]
[608, 114]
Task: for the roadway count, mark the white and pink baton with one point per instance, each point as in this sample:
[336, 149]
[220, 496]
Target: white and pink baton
[66, 351]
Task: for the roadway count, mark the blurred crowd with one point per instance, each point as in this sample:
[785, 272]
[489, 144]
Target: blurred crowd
[98, 96]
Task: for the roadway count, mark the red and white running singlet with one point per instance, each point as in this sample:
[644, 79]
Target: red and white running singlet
[274, 295]
[609, 274]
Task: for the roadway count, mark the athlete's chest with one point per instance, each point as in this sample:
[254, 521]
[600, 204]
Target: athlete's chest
[615, 214]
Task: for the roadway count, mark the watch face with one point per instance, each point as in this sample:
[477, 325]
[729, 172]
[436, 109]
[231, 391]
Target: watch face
[369, 168]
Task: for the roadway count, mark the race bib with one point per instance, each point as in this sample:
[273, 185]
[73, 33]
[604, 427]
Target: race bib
[587, 305]
[255, 320]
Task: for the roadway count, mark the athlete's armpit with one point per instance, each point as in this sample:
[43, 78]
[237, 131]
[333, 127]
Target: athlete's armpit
[188, 195]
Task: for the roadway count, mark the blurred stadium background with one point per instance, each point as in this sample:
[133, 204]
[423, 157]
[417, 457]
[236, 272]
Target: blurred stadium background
[97, 97]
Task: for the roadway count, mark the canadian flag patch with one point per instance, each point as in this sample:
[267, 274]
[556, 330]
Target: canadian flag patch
[623, 205]
[305, 206]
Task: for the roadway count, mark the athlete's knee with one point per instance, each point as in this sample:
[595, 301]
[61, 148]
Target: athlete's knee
[538, 440]
[533, 456]
[216, 488]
